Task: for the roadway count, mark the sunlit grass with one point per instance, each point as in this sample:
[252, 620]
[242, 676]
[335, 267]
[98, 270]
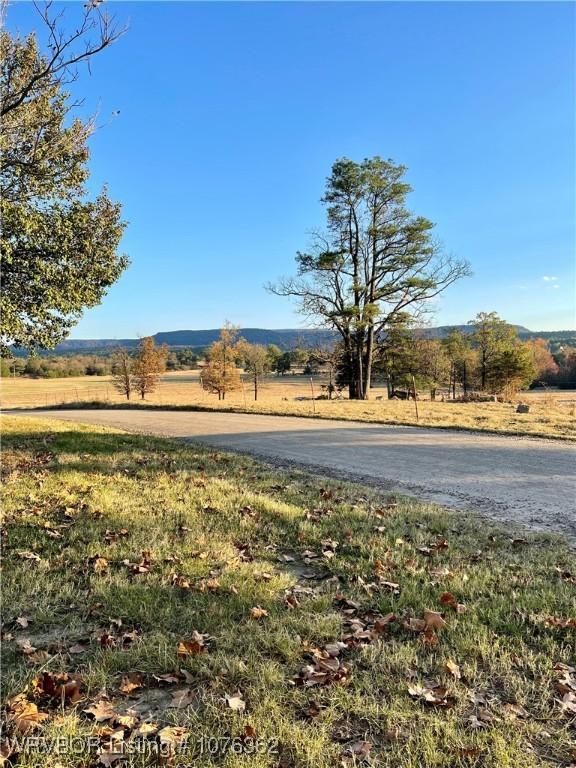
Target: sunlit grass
[551, 414]
[208, 516]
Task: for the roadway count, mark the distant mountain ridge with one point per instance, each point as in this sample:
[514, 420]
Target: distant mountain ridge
[285, 338]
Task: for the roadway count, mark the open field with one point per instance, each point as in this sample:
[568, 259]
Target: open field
[552, 414]
[317, 605]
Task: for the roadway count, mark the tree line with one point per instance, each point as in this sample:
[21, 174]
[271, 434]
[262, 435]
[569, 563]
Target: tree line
[488, 360]
[64, 366]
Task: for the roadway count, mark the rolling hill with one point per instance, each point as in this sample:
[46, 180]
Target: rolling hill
[286, 338]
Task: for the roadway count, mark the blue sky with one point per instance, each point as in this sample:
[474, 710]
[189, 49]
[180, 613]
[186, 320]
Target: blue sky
[231, 115]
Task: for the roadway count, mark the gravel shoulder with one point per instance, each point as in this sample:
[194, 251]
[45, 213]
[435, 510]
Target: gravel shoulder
[526, 481]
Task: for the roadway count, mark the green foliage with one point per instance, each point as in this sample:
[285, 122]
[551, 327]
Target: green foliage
[59, 249]
[284, 363]
[182, 360]
[377, 262]
[505, 364]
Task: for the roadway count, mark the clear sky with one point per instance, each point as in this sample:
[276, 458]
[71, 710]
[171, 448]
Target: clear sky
[231, 115]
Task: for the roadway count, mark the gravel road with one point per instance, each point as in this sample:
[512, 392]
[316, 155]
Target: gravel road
[527, 481]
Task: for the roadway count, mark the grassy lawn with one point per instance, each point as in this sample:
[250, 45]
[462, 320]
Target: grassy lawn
[156, 593]
[551, 414]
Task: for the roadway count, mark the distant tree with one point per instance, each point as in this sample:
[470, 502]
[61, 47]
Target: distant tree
[491, 336]
[122, 372]
[328, 357]
[299, 357]
[376, 261]
[432, 364]
[462, 360]
[256, 361]
[566, 377]
[221, 374]
[59, 249]
[274, 355]
[33, 367]
[511, 369]
[396, 358]
[284, 363]
[187, 358]
[148, 365]
[5, 367]
[545, 367]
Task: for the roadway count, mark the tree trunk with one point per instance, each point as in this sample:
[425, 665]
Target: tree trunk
[255, 387]
[389, 386]
[368, 363]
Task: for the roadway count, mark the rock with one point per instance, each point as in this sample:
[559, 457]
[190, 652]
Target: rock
[523, 408]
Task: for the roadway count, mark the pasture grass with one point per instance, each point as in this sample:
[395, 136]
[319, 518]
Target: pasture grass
[551, 415]
[118, 547]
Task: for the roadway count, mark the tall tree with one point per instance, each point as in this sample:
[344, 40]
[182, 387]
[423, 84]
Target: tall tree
[59, 249]
[148, 365]
[375, 261]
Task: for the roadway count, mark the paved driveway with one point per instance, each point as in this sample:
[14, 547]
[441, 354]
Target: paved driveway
[524, 480]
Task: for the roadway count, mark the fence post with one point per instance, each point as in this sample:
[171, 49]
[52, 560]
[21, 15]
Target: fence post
[415, 400]
[313, 396]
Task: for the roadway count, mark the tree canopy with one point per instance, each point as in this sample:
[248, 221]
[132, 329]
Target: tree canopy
[59, 248]
[375, 261]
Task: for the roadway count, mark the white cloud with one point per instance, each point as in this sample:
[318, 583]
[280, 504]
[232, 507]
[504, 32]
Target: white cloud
[549, 278]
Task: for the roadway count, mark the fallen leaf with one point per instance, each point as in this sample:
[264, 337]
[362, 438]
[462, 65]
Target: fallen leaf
[60, 685]
[147, 729]
[191, 647]
[24, 646]
[433, 620]
[24, 715]
[258, 613]
[80, 647]
[182, 698]
[131, 682]
[29, 556]
[448, 599]
[99, 564]
[236, 703]
[101, 711]
[453, 669]
[169, 677]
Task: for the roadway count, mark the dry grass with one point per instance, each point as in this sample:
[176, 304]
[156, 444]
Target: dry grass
[552, 414]
[223, 534]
